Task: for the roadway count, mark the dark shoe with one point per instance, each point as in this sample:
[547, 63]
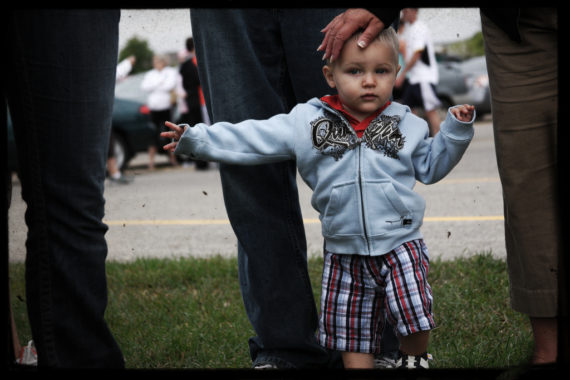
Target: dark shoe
[123, 180]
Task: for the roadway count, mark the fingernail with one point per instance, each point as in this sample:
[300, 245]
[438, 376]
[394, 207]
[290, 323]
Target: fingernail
[324, 57]
[362, 44]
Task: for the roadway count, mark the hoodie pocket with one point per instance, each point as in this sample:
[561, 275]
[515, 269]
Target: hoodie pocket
[384, 209]
[342, 215]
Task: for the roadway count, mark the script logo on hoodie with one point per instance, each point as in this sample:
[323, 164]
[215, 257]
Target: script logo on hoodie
[331, 136]
[383, 134]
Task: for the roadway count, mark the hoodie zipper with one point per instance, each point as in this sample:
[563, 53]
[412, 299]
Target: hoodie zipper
[362, 195]
[359, 142]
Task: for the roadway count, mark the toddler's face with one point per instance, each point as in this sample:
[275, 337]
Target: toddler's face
[364, 78]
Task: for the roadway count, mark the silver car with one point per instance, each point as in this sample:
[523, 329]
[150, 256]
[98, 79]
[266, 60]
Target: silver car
[465, 82]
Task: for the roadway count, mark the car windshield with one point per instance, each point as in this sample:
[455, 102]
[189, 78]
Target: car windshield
[475, 65]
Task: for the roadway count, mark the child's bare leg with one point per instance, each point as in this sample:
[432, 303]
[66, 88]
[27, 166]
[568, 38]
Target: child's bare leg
[433, 121]
[414, 344]
[357, 360]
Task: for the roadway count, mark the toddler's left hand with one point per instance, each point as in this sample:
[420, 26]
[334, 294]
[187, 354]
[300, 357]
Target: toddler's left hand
[463, 112]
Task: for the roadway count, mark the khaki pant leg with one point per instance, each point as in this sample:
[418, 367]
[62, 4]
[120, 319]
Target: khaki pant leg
[524, 89]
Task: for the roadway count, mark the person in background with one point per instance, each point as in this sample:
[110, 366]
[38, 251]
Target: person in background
[420, 69]
[115, 175]
[194, 98]
[368, 264]
[60, 93]
[399, 91]
[181, 106]
[125, 67]
[160, 84]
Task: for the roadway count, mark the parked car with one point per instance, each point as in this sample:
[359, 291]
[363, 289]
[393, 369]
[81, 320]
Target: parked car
[129, 90]
[465, 82]
[131, 126]
[133, 131]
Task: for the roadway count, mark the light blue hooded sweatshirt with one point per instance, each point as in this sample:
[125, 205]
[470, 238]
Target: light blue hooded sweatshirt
[362, 187]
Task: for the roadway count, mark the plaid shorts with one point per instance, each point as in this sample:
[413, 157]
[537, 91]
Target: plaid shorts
[360, 292]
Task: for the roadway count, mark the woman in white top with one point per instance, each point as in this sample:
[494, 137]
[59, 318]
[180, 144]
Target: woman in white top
[159, 83]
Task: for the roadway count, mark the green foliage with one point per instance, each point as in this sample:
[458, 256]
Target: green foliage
[140, 49]
[476, 45]
[471, 47]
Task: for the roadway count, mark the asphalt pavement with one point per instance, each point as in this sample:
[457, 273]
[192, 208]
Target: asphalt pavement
[179, 211]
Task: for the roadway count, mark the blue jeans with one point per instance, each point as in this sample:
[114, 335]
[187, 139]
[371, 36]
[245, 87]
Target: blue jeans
[61, 75]
[254, 64]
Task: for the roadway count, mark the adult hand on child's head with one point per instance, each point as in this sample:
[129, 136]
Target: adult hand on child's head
[344, 25]
[463, 112]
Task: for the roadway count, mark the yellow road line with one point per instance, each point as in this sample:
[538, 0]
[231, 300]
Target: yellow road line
[469, 180]
[206, 222]
[464, 218]
[180, 222]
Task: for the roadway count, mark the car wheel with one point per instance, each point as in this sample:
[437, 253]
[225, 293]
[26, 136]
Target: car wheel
[120, 151]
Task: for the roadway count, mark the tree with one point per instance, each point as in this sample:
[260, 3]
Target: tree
[471, 47]
[139, 48]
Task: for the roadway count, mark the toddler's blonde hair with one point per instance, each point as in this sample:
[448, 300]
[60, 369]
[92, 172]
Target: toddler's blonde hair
[387, 35]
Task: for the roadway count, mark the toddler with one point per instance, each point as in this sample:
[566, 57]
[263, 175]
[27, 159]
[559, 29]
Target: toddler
[361, 154]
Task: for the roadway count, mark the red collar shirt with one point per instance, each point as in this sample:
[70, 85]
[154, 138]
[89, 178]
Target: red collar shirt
[359, 126]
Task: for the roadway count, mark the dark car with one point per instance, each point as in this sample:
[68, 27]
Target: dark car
[133, 131]
[131, 126]
[465, 82]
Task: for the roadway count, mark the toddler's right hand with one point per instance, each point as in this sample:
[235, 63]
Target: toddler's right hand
[175, 134]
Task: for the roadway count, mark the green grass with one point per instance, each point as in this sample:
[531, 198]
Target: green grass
[477, 327]
[188, 313]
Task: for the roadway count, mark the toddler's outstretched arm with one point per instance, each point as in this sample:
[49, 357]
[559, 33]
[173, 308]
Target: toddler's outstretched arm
[174, 134]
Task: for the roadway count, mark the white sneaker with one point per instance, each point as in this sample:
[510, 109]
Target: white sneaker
[265, 366]
[384, 361]
[413, 362]
[28, 355]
